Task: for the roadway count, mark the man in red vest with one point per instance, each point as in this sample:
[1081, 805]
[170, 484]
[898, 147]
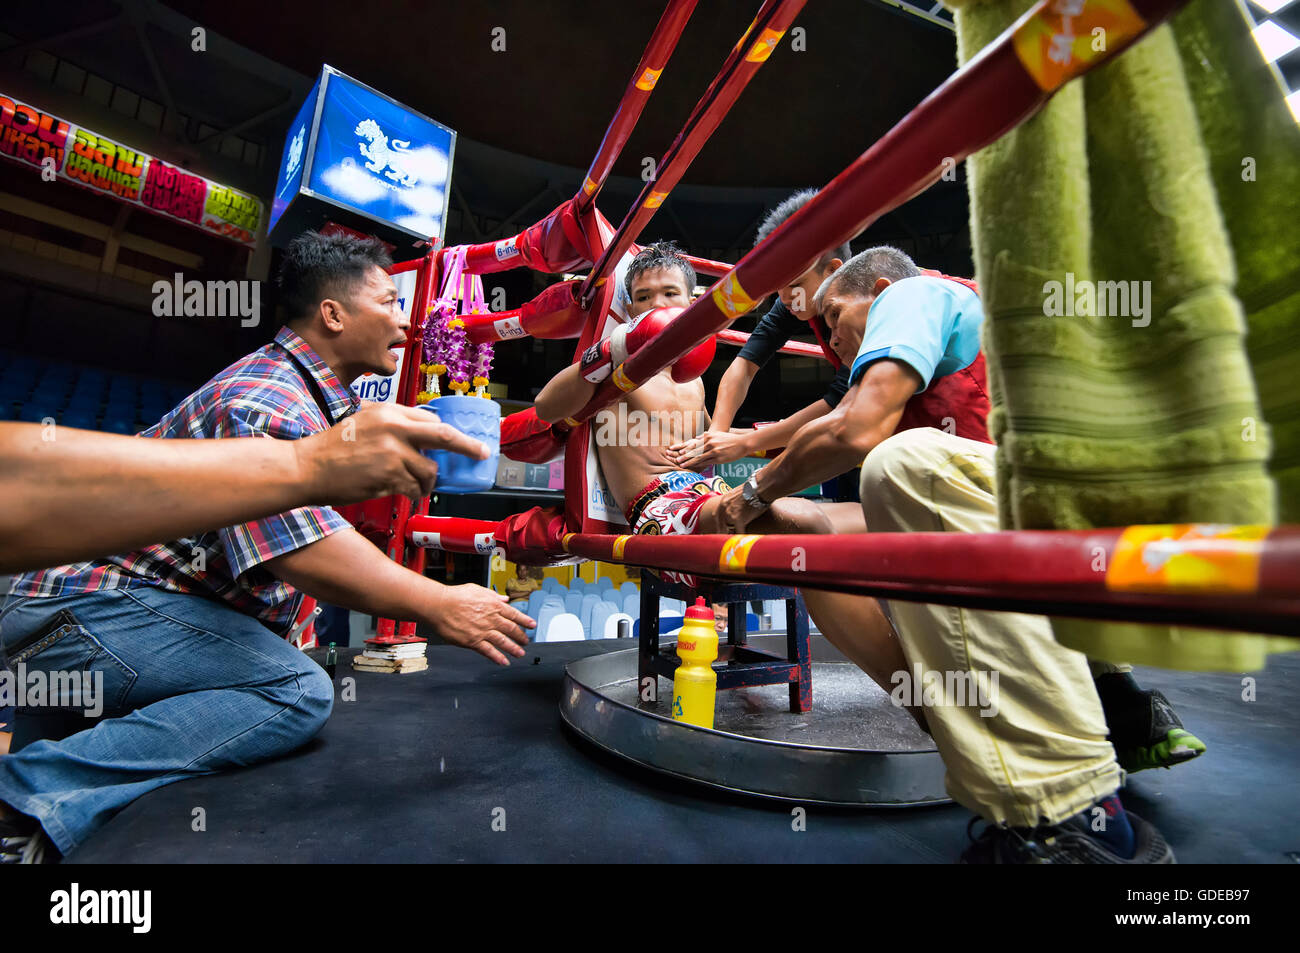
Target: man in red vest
[1035, 761]
[793, 313]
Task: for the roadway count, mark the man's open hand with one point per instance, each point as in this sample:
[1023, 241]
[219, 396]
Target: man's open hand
[480, 619]
[376, 452]
[733, 514]
[709, 449]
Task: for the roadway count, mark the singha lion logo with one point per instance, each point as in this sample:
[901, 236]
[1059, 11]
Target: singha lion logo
[295, 153]
[389, 161]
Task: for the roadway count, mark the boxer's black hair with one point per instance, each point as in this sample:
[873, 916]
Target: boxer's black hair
[659, 255]
[777, 217]
[316, 267]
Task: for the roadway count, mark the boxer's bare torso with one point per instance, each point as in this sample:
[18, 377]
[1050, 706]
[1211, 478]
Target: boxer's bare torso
[632, 437]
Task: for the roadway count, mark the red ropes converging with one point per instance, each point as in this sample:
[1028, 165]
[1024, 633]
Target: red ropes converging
[1028, 571]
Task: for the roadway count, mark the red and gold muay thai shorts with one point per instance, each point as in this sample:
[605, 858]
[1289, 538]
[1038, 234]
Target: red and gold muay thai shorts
[670, 505]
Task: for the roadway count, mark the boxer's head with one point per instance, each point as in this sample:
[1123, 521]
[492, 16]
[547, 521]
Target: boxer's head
[846, 296]
[340, 299]
[658, 277]
[797, 296]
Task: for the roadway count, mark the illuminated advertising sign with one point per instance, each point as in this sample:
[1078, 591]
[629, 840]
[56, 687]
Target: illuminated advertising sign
[357, 157]
[295, 151]
[95, 162]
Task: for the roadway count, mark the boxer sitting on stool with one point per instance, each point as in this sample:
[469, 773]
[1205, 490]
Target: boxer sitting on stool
[632, 440]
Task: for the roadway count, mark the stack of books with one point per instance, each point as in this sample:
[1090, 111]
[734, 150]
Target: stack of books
[401, 658]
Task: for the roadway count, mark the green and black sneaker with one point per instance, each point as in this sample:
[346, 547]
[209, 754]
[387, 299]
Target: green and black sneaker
[1145, 729]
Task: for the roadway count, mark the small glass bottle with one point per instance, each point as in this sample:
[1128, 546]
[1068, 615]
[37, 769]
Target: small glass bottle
[331, 660]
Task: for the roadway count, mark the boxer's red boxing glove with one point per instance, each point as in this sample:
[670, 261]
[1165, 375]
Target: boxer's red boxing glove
[529, 439]
[549, 247]
[533, 536]
[599, 360]
[695, 362]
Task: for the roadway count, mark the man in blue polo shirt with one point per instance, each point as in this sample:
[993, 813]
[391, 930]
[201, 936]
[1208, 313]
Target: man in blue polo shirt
[1036, 763]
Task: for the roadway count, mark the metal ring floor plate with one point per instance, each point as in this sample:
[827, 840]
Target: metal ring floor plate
[855, 748]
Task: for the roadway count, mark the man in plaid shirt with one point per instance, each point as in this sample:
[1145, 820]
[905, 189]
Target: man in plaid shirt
[187, 635]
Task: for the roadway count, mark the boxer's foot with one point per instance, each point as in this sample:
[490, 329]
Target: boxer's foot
[1144, 728]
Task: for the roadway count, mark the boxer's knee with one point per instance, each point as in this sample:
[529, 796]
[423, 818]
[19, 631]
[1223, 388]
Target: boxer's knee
[794, 515]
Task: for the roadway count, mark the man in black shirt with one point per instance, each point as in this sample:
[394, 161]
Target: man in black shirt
[789, 316]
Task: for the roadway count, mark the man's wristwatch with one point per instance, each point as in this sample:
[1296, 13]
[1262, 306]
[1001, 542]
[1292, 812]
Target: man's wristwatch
[750, 493]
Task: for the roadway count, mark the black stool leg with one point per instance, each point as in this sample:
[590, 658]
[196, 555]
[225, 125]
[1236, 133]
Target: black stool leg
[736, 629]
[648, 643]
[796, 637]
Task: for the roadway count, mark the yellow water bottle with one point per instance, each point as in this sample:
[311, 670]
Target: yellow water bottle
[695, 684]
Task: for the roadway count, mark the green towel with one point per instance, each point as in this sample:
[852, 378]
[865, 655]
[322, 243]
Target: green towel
[1151, 415]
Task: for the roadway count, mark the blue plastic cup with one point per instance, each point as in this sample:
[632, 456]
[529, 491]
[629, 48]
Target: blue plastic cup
[479, 418]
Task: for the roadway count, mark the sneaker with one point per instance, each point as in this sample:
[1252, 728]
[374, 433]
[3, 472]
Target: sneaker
[1147, 732]
[1068, 842]
[23, 842]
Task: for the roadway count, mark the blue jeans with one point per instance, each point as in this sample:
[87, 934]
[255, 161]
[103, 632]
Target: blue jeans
[187, 686]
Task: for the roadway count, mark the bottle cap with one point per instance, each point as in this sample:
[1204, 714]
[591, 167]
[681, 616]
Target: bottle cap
[701, 610]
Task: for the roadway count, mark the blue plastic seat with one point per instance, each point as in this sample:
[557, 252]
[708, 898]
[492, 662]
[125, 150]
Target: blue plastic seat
[671, 606]
[573, 603]
[599, 616]
[632, 604]
[589, 602]
[667, 623]
[35, 413]
[550, 609]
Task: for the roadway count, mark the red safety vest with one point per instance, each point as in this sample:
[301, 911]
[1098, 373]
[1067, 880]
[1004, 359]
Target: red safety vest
[957, 403]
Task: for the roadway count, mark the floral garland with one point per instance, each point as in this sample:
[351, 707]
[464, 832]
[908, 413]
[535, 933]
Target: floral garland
[448, 350]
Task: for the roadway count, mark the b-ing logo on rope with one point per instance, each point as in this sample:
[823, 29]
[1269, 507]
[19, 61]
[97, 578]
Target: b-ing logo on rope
[509, 328]
[506, 248]
[389, 161]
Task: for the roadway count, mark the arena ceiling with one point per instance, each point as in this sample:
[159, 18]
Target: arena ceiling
[531, 115]
[550, 93]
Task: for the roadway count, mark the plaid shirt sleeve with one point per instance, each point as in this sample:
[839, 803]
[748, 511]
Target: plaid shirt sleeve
[248, 545]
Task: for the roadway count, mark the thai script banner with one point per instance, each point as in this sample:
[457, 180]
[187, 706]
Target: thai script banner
[98, 163]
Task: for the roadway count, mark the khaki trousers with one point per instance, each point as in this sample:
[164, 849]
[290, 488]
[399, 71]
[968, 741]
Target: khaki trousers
[1033, 748]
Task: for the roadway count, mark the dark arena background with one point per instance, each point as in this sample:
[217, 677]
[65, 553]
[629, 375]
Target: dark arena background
[863, 432]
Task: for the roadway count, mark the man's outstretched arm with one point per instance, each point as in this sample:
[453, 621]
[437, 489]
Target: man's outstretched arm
[76, 494]
[833, 444]
[345, 569]
[732, 391]
[718, 446]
